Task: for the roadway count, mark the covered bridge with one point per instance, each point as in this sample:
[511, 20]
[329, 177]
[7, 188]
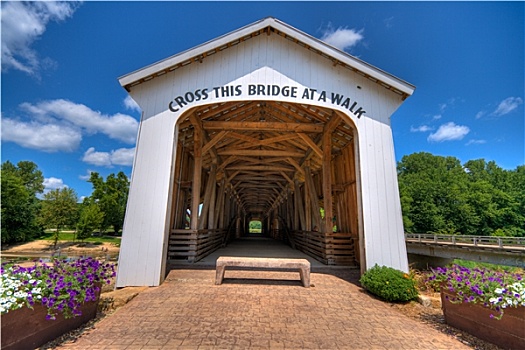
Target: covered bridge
[264, 123]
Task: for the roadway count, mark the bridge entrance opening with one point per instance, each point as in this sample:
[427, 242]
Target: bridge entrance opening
[255, 227]
[282, 170]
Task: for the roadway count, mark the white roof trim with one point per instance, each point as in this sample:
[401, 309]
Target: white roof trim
[343, 57]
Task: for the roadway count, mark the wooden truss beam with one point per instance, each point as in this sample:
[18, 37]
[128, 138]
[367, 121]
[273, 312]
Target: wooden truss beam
[263, 126]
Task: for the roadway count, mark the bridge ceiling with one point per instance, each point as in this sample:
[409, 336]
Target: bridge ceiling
[261, 147]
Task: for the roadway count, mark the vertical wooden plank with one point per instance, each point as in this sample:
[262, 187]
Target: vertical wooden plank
[296, 196]
[289, 209]
[205, 210]
[314, 200]
[213, 198]
[226, 216]
[299, 206]
[327, 182]
[220, 207]
[197, 173]
[308, 199]
[329, 128]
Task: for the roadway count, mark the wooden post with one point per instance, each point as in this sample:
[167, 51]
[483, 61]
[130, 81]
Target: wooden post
[206, 203]
[315, 213]
[299, 207]
[329, 128]
[213, 198]
[197, 173]
[307, 199]
[327, 182]
[220, 208]
[224, 218]
[290, 219]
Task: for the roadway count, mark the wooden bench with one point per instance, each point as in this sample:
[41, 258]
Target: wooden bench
[302, 265]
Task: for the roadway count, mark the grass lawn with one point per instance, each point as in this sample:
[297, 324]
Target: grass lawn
[70, 236]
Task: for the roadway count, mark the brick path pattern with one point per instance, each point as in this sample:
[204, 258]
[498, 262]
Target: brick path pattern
[260, 310]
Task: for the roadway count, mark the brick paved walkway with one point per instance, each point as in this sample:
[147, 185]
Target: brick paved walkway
[189, 312]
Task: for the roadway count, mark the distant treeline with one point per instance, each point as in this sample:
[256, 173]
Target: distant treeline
[441, 195]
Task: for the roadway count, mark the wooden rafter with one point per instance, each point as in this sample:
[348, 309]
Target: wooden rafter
[260, 149]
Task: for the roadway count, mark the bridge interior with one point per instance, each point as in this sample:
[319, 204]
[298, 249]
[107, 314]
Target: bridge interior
[290, 166]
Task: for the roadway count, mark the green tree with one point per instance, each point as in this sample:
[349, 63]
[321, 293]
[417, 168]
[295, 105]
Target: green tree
[91, 218]
[440, 195]
[435, 187]
[19, 202]
[59, 209]
[497, 194]
[111, 196]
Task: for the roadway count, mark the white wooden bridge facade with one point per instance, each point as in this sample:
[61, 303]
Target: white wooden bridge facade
[264, 123]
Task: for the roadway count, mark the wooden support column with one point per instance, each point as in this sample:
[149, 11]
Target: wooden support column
[307, 201]
[197, 173]
[213, 198]
[314, 200]
[327, 182]
[299, 207]
[290, 220]
[220, 208]
[327, 171]
[210, 186]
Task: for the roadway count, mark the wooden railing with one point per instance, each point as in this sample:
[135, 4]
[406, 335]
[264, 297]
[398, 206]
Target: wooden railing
[493, 242]
[330, 249]
[194, 245]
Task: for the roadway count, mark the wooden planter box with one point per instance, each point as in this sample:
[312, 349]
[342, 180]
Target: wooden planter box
[28, 329]
[507, 333]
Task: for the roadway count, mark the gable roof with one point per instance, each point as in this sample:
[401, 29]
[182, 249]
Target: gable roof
[267, 25]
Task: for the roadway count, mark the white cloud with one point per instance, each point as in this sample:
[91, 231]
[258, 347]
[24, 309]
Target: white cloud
[476, 142]
[342, 38]
[52, 183]
[449, 132]
[422, 128]
[118, 126]
[58, 125]
[507, 105]
[121, 156]
[43, 137]
[97, 158]
[130, 103]
[22, 24]
[480, 114]
[87, 176]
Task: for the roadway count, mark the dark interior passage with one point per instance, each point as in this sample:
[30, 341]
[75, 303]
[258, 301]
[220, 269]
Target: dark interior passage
[290, 167]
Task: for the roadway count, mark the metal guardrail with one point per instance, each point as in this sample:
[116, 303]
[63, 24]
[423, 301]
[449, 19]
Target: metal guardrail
[485, 241]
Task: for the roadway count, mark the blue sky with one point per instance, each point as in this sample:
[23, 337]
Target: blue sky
[63, 108]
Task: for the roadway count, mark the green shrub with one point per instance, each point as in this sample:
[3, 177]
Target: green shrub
[389, 284]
